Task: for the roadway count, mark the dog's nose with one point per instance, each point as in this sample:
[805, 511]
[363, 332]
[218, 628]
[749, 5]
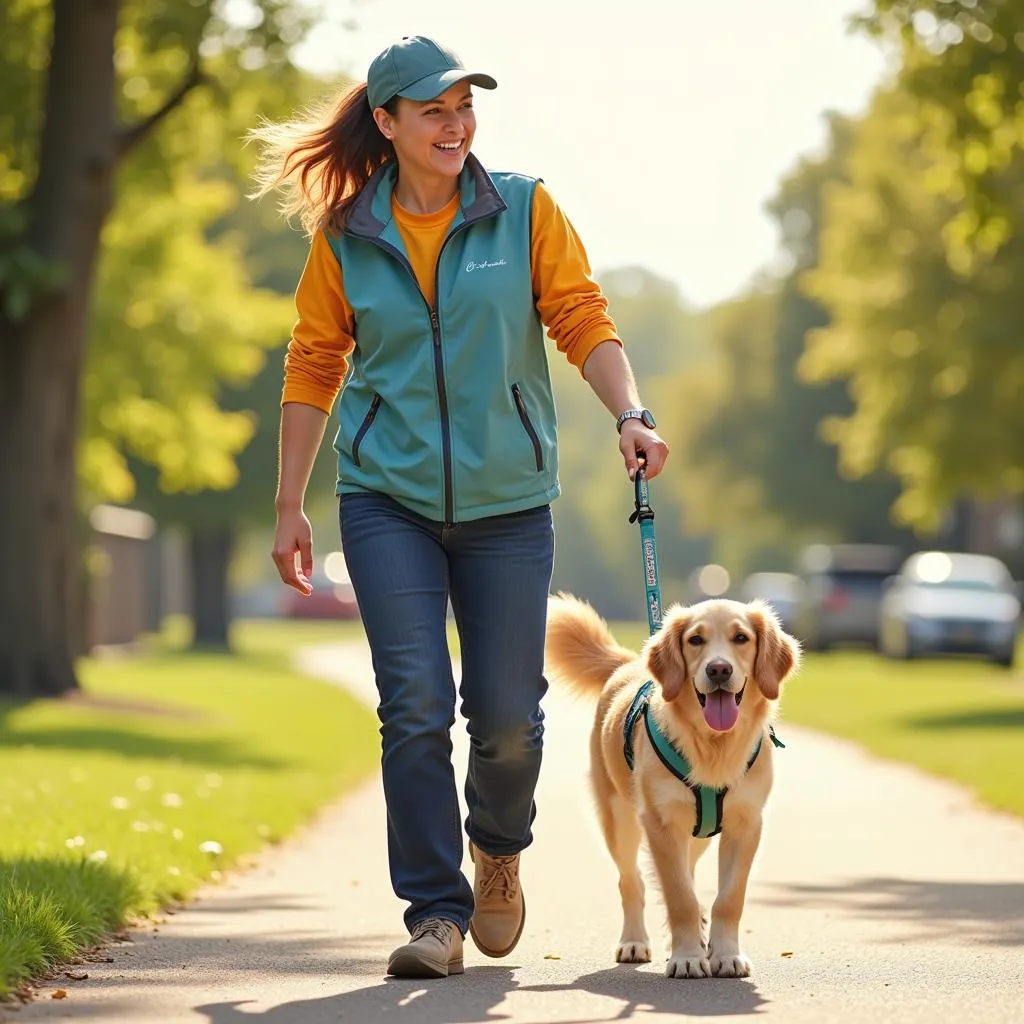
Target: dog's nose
[718, 671]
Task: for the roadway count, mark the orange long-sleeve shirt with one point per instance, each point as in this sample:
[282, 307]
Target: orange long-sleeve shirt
[569, 301]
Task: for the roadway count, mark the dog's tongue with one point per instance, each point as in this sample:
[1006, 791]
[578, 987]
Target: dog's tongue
[721, 710]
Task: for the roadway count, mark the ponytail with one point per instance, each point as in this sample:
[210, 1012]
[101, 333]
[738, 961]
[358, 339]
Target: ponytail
[321, 161]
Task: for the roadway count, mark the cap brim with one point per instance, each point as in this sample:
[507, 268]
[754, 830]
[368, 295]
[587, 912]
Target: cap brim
[431, 86]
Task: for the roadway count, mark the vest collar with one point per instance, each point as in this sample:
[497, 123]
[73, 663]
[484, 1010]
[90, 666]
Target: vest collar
[371, 212]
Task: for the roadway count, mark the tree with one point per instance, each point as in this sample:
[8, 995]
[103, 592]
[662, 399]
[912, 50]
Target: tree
[208, 340]
[961, 64]
[112, 73]
[928, 343]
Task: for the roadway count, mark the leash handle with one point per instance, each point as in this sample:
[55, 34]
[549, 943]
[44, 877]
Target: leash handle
[644, 514]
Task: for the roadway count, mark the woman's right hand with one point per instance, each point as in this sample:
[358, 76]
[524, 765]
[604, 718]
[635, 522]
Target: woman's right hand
[293, 533]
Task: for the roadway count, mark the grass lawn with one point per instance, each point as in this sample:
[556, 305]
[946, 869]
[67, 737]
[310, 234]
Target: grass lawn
[173, 767]
[958, 718]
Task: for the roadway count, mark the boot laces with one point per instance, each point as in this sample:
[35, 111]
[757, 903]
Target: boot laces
[435, 926]
[500, 878]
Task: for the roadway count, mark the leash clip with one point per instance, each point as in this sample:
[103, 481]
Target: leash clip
[644, 513]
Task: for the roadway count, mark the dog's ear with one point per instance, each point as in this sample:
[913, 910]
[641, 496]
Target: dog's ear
[664, 653]
[778, 654]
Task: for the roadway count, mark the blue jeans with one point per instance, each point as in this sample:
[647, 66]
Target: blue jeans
[497, 573]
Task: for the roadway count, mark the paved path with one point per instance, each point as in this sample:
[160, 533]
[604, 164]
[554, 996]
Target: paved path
[879, 895]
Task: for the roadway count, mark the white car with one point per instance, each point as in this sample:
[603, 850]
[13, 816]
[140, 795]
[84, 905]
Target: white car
[944, 602]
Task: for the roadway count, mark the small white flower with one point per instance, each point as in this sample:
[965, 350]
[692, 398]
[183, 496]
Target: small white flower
[140, 826]
[177, 834]
[120, 803]
[98, 856]
[76, 841]
[211, 846]
[171, 800]
[143, 783]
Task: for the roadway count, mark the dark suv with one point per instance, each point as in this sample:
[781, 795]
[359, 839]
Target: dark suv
[843, 586]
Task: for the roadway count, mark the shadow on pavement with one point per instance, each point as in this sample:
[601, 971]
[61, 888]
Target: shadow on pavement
[465, 999]
[986, 912]
[654, 993]
[474, 998]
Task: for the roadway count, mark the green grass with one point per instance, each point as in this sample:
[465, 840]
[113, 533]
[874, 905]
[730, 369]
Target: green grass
[958, 718]
[176, 768]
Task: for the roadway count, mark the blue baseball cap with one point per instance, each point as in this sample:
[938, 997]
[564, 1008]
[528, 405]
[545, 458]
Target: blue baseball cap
[418, 69]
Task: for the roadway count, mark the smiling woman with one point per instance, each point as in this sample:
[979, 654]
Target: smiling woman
[426, 292]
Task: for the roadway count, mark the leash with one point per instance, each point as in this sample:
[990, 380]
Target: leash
[644, 514]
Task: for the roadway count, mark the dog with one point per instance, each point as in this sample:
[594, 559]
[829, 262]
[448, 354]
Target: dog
[717, 669]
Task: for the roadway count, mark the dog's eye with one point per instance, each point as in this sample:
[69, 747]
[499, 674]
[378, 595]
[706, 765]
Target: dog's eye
[740, 638]
[695, 640]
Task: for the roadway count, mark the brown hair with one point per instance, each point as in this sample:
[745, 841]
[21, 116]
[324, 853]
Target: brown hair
[321, 160]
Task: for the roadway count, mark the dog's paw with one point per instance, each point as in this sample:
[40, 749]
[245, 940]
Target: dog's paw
[637, 951]
[730, 965]
[688, 965]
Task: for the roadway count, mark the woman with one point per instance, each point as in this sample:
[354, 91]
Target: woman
[427, 284]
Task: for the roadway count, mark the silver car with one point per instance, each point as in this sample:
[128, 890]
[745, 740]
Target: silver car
[944, 602]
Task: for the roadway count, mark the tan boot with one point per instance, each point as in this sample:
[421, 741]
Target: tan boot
[434, 951]
[500, 911]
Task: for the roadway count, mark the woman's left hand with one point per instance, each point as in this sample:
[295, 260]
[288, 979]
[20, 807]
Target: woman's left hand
[638, 440]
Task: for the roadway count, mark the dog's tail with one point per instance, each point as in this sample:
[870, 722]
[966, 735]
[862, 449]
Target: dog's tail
[580, 651]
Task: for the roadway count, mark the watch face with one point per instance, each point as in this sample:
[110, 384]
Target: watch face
[648, 419]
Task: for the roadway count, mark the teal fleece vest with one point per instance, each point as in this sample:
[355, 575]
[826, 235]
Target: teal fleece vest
[449, 410]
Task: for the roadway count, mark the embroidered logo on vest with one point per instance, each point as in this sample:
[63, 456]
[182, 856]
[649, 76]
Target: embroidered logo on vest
[471, 265]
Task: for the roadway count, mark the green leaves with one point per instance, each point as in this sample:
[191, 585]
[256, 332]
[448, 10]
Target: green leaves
[918, 270]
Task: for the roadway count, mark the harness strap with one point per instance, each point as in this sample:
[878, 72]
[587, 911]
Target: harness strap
[636, 709]
[709, 802]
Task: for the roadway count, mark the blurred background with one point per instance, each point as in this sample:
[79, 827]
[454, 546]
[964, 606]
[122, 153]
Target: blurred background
[807, 218]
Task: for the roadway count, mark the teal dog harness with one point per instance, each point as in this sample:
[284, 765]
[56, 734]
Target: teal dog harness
[709, 801]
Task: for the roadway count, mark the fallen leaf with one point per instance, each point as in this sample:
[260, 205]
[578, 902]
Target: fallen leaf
[552, 956]
[76, 975]
[59, 994]
[787, 954]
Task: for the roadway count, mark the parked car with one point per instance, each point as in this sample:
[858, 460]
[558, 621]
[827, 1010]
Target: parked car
[842, 593]
[780, 589]
[944, 602]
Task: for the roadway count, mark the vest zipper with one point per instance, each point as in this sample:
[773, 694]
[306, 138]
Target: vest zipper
[524, 416]
[371, 414]
[442, 401]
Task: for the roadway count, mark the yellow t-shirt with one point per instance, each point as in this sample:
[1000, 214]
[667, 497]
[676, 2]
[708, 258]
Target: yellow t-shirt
[569, 301]
[423, 234]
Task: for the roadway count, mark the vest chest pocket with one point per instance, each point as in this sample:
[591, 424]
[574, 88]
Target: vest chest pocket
[531, 432]
[368, 419]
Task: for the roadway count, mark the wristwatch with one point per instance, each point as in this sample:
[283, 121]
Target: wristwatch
[645, 416]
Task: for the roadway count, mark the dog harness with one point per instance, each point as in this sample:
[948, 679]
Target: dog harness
[709, 801]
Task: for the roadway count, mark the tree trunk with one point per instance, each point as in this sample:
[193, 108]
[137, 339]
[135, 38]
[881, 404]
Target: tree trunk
[210, 551]
[41, 357]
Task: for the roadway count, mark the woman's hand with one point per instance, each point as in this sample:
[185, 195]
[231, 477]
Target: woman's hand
[635, 441]
[293, 534]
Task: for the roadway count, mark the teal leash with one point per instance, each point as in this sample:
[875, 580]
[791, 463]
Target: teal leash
[644, 514]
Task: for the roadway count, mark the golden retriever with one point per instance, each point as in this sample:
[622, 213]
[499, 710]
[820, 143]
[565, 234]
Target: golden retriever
[718, 667]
